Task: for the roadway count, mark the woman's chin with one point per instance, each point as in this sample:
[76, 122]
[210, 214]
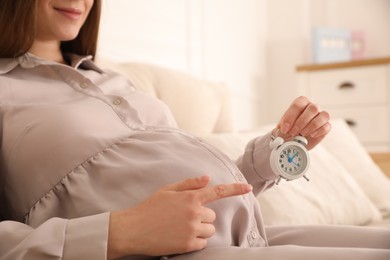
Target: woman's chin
[68, 35]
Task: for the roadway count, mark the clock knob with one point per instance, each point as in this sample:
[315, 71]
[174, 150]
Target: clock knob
[300, 139]
[278, 141]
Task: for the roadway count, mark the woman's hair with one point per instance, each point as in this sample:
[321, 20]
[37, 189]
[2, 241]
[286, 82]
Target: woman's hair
[18, 28]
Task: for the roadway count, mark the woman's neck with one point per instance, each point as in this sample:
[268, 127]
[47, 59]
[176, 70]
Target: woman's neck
[48, 50]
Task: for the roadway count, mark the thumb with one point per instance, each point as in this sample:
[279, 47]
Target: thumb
[188, 184]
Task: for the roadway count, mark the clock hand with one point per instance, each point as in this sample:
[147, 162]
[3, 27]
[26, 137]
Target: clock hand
[294, 155]
[291, 158]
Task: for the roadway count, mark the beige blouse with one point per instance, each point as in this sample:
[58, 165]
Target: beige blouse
[78, 142]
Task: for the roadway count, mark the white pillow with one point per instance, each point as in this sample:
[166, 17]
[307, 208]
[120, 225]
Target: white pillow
[199, 106]
[344, 145]
[331, 197]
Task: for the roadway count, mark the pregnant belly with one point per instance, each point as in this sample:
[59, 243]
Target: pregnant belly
[148, 160]
[129, 171]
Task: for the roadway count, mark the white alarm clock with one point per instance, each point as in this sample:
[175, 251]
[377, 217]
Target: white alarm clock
[290, 160]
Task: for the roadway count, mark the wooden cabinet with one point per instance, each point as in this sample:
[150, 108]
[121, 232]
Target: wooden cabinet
[383, 161]
[358, 91]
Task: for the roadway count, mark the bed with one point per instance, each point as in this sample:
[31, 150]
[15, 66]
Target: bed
[346, 187]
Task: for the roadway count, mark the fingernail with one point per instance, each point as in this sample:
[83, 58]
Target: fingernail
[314, 134]
[204, 178]
[294, 131]
[305, 131]
[247, 188]
[285, 128]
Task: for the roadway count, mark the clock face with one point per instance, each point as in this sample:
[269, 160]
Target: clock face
[292, 160]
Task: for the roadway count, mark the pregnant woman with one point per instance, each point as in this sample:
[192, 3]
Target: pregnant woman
[91, 168]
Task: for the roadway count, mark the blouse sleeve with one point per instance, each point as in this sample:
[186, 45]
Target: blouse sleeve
[81, 238]
[255, 165]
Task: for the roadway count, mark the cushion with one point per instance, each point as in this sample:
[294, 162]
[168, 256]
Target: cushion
[331, 197]
[345, 146]
[198, 106]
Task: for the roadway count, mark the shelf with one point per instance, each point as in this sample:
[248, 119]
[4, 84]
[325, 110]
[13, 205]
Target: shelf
[383, 161]
[338, 65]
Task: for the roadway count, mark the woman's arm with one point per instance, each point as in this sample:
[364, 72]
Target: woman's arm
[301, 118]
[254, 164]
[173, 220]
[81, 238]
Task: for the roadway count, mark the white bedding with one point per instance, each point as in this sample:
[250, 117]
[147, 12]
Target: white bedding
[346, 187]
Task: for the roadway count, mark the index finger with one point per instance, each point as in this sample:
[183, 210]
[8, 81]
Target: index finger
[210, 194]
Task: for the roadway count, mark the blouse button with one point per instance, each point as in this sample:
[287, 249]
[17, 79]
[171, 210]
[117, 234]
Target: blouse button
[84, 85]
[253, 234]
[117, 101]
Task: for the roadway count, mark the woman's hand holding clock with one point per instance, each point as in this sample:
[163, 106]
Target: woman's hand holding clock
[301, 128]
[306, 119]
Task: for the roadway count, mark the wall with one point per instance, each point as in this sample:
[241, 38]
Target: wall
[288, 39]
[219, 40]
[147, 30]
[286, 46]
[253, 45]
[372, 16]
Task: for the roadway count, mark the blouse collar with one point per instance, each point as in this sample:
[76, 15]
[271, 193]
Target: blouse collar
[29, 60]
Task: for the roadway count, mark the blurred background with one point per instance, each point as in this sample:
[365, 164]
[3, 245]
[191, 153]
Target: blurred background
[254, 46]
